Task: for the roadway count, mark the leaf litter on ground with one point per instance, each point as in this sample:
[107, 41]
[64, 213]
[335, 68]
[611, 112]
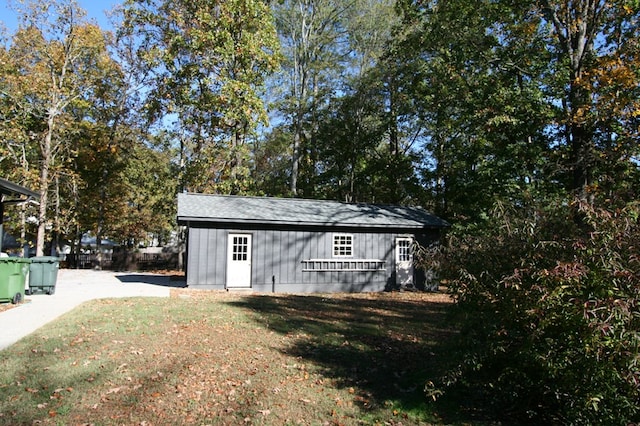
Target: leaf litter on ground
[225, 358]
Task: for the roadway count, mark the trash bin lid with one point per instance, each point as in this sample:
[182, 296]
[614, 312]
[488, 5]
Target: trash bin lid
[45, 259]
[14, 260]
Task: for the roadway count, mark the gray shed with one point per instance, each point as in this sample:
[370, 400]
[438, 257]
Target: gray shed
[300, 246]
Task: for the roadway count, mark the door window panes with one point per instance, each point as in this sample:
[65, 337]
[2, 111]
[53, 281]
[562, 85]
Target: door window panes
[240, 248]
[404, 251]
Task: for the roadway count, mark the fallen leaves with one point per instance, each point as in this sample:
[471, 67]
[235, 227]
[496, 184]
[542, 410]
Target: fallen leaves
[207, 360]
[113, 390]
[58, 393]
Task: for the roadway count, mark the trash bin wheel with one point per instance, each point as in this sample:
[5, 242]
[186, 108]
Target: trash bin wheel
[17, 298]
[51, 290]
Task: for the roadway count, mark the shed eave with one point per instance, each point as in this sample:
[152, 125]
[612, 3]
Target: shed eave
[10, 188]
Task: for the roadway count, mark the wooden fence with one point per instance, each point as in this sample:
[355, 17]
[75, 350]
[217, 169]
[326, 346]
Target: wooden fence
[122, 261]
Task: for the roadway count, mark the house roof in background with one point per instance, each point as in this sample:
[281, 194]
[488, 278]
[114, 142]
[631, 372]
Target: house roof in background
[296, 211]
[10, 188]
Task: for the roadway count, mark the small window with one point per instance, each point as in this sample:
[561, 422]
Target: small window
[342, 245]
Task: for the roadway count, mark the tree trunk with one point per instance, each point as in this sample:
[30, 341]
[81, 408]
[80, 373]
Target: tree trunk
[574, 25]
[44, 185]
[393, 118]
[295, 163]
[55, 238]
[23, 231]
[581, 141]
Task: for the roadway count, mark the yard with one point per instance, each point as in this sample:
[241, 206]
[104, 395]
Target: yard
[229, 358]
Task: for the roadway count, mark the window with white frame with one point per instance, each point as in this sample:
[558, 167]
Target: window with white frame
[404, 252]
[342, 245]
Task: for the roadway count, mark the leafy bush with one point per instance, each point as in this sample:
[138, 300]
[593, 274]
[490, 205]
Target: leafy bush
[548, 302]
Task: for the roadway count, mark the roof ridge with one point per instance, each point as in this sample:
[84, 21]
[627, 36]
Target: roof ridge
[324, 200]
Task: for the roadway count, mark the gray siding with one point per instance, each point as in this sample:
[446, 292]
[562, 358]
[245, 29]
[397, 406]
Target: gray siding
[277, 257]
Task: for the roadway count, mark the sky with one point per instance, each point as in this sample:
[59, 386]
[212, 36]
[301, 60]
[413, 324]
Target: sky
[95, 11]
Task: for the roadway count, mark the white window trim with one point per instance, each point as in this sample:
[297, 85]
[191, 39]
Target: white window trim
[408, 249]
[336, 247]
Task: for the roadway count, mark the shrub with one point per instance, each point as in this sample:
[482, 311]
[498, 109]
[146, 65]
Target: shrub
[548, 303]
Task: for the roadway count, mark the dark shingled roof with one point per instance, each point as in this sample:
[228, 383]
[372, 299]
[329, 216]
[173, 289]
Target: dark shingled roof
[296, 211]
[10, 188]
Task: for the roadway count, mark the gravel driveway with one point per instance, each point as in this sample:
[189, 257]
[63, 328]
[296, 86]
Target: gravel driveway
[73, 288]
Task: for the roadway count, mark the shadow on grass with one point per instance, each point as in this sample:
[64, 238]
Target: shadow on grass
[385, 346]
[174, 281]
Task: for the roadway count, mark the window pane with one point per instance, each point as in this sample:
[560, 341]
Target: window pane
[404, 251]
[342, 245]
[240, 248]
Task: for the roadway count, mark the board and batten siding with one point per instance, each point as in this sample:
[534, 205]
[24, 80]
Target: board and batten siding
[278, 255]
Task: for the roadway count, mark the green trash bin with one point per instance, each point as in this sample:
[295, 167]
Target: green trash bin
[13, 275]
[43, 274]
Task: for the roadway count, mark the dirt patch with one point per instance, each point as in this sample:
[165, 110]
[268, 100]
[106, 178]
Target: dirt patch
[8, 305]
[412, 296]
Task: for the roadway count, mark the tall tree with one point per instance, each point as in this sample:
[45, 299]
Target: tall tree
[55, 54]
[17, 155]
[106, 141]
[367, 151]
[330, 47]
[209, 60]
[520, 97]
[314, 43]
[596, 73]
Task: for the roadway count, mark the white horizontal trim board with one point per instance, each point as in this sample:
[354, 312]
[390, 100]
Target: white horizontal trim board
[347, 265]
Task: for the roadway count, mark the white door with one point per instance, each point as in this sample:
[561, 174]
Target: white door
[239, 261]
[404, 261]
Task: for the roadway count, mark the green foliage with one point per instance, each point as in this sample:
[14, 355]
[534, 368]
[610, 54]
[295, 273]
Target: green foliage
[353, 132]
[518, 100]
[54, 66]
[208, 61]
[472, 70]
[357, 162]
[332, 49]
[550, 313]
[271, 163]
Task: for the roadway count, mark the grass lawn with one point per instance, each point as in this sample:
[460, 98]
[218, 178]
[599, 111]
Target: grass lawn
[226, 358]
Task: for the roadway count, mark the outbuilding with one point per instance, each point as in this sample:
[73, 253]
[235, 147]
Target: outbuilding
[12, 193]
[302, 246]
